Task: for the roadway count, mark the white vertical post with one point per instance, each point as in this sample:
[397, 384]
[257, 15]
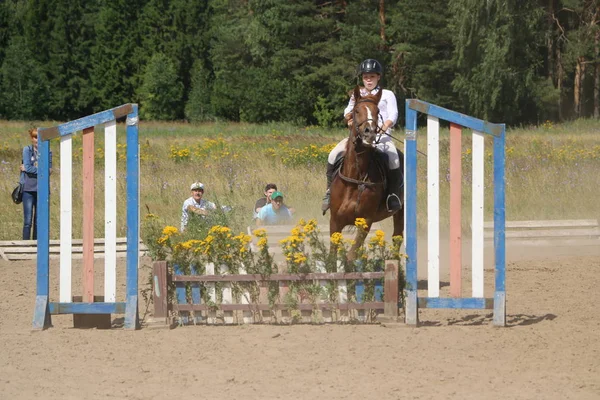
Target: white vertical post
[433, 206]
[246, 315]
[66, 217]
[212, 294]
[320, 267]
[477, 241]
[110, 211]
[227, 295]
[342, 293]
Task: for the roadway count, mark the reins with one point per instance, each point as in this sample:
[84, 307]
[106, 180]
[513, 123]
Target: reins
[379, 130]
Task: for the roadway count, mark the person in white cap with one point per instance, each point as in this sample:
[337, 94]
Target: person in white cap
[196, 204]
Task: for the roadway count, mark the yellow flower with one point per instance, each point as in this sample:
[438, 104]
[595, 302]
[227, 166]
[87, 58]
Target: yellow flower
[336, 238]
[310, 226]
[186, 245]
[169, 230]
[162, 239]
[262, 243]
[378, 239]
[243, 239]
[299, 258]
[259, 233]
[361, 223]
[296, 231]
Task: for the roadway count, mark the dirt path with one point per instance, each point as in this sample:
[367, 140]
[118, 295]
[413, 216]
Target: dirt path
[551, 349]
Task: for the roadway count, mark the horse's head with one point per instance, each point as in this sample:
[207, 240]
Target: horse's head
[365, 117]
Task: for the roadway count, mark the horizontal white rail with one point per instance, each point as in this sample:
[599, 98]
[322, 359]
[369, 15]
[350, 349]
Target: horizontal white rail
[14, 250]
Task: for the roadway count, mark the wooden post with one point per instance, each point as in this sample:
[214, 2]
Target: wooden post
[159, 289]
[455, 210]
[390, 307]
[88, 215]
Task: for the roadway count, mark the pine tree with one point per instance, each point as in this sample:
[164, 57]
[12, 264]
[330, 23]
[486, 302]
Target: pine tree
[23, 88]
[116, 66]
[421, 45]
[161, 91]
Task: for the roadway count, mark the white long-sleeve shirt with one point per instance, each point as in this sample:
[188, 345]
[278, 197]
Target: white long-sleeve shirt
[203, 205]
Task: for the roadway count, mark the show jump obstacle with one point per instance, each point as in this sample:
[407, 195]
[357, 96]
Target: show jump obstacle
[43, 306]
[480, 129]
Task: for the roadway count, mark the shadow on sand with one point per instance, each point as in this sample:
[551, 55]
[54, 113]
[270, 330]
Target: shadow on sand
[511, 320]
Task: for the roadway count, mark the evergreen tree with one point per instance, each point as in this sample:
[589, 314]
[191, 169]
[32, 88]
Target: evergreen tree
[176, 28]
[116, 66]
[198, 107]
[161, 91]
[420, 40]
[23, 86]
[497, 56]
[60, 35]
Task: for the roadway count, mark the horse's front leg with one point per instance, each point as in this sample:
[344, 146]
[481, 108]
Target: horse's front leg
[334, 227]
[359, 239]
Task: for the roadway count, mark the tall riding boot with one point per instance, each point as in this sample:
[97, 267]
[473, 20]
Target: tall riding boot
[394, 202]
[325, 204]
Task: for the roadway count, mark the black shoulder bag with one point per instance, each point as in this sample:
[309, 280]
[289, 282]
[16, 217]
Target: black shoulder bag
[17, 193]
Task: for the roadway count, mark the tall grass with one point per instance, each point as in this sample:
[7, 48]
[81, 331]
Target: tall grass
[552, 171]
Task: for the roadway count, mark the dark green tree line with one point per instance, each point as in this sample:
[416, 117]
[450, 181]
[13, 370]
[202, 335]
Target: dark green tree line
[509, 61]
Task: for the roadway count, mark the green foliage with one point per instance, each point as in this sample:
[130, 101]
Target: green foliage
[161, 91]
[116, 63]
[496, 45]
[22, 83]
[421, 41]
[261, 61]
[325, 116]
[198, 107]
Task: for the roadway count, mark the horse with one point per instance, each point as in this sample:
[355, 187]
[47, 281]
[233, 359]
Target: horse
[358, 189]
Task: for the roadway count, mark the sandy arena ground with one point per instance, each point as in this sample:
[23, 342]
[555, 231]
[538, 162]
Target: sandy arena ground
[550, 349]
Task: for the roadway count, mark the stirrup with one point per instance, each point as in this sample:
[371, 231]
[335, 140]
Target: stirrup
[325, 204]
[393, 203]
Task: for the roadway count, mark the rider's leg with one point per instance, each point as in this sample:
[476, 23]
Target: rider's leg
[333, 155]
[396, 178]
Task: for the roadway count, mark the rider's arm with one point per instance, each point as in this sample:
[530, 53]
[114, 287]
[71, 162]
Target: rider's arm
[391, 110]
[348, 110]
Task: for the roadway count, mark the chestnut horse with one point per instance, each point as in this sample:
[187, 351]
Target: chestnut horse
[358, 190]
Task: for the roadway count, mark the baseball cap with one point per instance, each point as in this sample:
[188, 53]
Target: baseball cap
[197, 185]
[276, 195]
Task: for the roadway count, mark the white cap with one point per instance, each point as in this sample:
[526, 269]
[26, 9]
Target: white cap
[197, 185]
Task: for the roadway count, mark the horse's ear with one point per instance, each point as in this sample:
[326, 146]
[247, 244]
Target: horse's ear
[378, 95]
[356, 93]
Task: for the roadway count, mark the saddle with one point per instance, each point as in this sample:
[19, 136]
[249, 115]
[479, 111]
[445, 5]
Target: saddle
[381, 163]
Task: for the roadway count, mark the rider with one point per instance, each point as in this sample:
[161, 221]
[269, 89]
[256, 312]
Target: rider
[371, 71]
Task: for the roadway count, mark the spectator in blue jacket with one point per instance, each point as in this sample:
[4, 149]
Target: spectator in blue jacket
[29, 173]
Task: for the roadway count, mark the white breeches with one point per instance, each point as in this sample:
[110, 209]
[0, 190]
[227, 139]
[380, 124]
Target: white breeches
[386, 145]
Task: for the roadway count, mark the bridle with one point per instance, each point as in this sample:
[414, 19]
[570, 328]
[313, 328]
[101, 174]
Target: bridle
[356, 127]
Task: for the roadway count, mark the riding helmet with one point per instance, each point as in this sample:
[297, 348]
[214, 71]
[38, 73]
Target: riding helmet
[370, 66]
